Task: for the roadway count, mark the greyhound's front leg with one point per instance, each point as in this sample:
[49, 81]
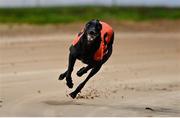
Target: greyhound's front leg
[62, 76]
[79, 88]
[71, 63]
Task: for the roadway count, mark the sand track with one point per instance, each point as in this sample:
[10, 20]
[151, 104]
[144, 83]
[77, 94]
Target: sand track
[142, 78]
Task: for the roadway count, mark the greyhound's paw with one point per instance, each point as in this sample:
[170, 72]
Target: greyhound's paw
[69, 82]
[80, 72]
[61, 77]
[73, 95]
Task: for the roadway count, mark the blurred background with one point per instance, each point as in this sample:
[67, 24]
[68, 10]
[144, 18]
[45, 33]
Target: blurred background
[63, 11]
[142, 77]
[38, 3]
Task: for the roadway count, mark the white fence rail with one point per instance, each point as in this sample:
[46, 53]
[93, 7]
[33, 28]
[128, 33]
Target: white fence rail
[37, 3]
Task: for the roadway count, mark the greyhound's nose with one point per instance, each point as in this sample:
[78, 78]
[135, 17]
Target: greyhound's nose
[91, 32]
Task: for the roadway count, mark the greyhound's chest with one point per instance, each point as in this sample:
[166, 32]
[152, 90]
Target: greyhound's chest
[86, 52]
[86, 57]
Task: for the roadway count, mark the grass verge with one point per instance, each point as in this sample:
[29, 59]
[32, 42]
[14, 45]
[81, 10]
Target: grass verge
[53, 15]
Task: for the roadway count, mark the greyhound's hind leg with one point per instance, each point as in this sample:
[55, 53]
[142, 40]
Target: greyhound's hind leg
[81, 85]
[83, 70]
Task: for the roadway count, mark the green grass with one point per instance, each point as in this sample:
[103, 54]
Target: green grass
[74, 14]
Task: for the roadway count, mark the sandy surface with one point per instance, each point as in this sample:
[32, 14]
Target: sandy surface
[142, 78]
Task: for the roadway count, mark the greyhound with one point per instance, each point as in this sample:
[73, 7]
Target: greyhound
[93, 46]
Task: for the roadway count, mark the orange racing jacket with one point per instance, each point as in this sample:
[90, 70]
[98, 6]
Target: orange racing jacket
[106, 36]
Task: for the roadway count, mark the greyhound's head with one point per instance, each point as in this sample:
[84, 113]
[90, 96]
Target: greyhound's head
[93, 31]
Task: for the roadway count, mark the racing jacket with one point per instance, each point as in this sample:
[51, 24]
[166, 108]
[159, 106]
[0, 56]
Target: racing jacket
[106, 37]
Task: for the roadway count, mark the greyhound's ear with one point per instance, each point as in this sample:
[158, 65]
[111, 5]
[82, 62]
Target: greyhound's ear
[100, 26]
[97, 20]
[86, 26]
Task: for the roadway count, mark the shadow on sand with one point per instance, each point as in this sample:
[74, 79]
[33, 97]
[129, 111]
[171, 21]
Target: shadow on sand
[55, 102]
[154, 110]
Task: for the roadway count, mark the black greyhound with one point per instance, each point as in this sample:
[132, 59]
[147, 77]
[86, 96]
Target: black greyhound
[97, 37]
